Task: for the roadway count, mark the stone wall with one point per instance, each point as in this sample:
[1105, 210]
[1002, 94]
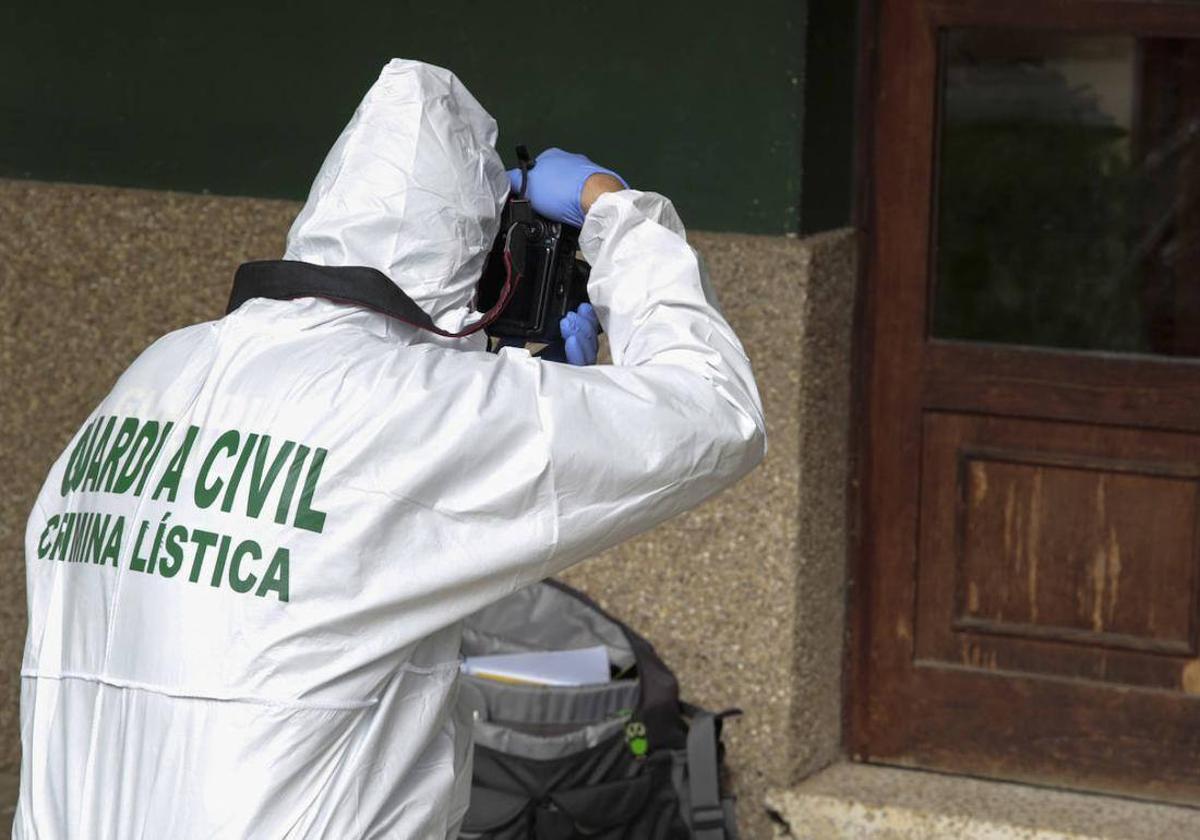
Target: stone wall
[743, 597]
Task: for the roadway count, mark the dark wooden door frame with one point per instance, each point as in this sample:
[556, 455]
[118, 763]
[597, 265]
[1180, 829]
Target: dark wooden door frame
[898, 119]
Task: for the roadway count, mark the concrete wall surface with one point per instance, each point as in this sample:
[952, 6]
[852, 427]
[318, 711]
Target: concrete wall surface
[743, 596]
[851, 801]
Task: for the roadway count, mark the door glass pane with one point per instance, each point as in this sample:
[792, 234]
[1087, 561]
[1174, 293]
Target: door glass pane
[1069, 191]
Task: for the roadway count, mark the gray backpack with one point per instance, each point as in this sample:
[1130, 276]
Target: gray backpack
[623, 760]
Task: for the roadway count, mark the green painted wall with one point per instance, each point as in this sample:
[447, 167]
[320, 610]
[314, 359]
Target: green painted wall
[699, 100]
[830, 77]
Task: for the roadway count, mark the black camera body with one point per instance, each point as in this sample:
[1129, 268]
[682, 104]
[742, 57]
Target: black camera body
[553, 276]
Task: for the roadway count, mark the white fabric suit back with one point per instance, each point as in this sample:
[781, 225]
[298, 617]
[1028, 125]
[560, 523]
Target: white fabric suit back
[247, 570]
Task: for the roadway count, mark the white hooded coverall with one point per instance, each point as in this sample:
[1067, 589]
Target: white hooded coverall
[247, 571]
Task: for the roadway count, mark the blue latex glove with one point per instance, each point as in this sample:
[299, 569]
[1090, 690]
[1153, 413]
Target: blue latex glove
[556, 184]
[581, 334]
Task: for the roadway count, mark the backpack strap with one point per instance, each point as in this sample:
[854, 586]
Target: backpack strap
[658, 702]
[710, 818]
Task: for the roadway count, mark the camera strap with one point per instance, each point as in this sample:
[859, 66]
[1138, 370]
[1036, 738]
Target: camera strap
[369, 287]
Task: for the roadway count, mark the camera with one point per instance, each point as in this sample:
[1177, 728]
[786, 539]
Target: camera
[553, 275]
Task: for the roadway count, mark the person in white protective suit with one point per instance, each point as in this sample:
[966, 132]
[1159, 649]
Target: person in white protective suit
[248, 569]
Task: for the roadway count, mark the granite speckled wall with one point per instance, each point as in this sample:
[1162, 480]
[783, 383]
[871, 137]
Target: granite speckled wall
[743, 596]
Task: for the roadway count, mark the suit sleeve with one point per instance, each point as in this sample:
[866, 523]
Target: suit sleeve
[676, 418]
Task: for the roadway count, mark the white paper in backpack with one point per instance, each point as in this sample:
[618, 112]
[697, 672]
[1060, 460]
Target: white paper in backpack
[585, 666]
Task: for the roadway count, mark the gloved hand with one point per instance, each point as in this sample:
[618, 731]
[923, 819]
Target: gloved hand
[581, 334]
[555, 184]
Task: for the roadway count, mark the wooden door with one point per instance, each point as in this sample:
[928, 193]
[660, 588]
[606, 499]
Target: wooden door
[1027, 583]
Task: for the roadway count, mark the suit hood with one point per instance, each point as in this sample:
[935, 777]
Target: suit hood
[412, 187]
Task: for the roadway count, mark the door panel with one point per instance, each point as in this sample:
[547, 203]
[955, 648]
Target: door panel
[1058, 549]
[1027, 598]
